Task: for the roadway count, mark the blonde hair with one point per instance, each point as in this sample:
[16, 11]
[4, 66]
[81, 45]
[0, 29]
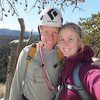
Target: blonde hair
[76, 29]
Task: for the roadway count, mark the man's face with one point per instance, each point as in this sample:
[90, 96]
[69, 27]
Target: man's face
[49, 36]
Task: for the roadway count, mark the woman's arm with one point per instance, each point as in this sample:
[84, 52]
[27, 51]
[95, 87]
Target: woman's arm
[93, 83]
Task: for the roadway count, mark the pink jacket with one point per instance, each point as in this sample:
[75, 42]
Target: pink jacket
[88, 74]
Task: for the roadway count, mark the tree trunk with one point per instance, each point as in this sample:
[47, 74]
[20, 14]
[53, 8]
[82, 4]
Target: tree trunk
[13, 59]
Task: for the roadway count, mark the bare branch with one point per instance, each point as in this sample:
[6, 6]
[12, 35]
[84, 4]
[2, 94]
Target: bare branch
[40, 4]
[14, 57]
[13, 8]
[30, 38]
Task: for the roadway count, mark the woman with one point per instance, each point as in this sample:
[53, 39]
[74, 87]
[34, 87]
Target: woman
[74, 51]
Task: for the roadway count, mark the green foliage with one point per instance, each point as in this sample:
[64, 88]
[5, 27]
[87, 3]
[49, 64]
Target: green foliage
[91, 27]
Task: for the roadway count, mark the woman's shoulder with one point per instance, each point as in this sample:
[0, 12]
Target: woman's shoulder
[88, 70]
[86, 67]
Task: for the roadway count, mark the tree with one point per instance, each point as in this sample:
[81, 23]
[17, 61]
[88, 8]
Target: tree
[14, 57]
[10, 6]
[91, 27]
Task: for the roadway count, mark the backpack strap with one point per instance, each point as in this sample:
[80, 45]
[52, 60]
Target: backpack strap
[59, 54]
[81, 91]
[31, 53]
[77, 85]
[60, 58]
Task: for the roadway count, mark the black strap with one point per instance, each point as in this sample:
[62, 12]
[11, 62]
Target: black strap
[23, 97]
[59, 63]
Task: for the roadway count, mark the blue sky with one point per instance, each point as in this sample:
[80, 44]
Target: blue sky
[31, 19]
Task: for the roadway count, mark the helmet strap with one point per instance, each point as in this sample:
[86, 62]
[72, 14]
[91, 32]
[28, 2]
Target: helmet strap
[39, 33]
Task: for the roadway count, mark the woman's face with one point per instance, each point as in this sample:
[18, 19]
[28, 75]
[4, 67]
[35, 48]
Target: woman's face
[49, 36]
[68, 42]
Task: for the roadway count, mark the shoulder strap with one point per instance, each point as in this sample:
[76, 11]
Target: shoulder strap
[82, 92]
[30, 54]
[32, 51]
[59, 54]
[77, 85]
[60, 57]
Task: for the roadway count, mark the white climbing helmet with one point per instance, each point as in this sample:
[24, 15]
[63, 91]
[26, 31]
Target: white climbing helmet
[51, 17]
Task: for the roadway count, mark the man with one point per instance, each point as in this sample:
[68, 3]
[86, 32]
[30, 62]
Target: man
[38, 83]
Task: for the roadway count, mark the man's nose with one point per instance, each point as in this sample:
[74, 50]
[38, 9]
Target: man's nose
[51, 35]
